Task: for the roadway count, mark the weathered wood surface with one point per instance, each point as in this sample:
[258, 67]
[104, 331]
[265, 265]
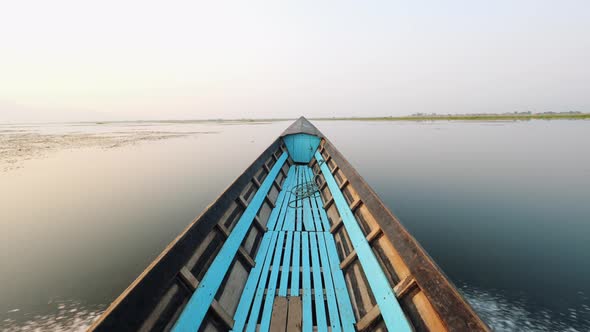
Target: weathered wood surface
[280, 310]
[294, 321]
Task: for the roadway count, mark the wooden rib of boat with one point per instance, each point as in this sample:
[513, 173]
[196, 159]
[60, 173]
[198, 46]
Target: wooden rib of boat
[298, 242]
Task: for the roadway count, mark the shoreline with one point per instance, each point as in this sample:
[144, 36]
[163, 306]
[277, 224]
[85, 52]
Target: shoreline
[456, 117]
[466, 117]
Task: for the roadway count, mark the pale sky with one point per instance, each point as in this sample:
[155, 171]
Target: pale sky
[66, 60]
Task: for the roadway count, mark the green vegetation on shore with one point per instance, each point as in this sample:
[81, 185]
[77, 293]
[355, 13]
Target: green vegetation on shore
[522, 116]
[476, 117]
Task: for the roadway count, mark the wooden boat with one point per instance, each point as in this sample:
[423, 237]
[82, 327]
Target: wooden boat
[298, 242]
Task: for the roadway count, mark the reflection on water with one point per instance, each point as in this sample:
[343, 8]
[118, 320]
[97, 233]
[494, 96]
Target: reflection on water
[500, 206]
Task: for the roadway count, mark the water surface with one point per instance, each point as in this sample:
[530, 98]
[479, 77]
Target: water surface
[502, 207]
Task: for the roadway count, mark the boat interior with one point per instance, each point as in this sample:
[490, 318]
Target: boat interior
[298, 242]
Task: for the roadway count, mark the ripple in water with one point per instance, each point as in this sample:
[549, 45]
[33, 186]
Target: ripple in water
[498, 312]
[67, 316]
[502, 314]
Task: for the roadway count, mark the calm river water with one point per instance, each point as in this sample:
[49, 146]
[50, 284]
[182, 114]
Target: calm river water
[502, 207]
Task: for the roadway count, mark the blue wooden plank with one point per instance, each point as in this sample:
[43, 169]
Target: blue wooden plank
[272, 285]
[193, 313]
[392, 313]
[272, 219]
[322, 213]
[329, 285]
[307, 216]
[307, 312]
[314, 208]
[288, 214]
[289, 223]
[300, 205]
[256, 304]
[316, 215]
[248, 293]
[295, 272]
[320, 311]
[282, 211]
[286, 265]
[344, 304]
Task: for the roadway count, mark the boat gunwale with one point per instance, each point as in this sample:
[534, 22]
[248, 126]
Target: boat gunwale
[194, 232]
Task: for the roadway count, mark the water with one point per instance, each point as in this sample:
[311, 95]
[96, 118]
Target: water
[502, 207]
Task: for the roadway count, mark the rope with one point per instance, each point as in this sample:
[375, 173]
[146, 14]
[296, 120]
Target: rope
[307, 189]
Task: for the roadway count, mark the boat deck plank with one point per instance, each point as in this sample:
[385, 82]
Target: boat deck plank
[319, 226]
[272, 221]
[296, 264]
[299, 218]
[329, 285]
[391, 311]
[280, 309]
[296, 272]
[320, 310]
[200, 302]
[244, 305]
[286, 265]
[294, 314]
[342, 296]
[306, 290]
[261, 289]
[272, 284]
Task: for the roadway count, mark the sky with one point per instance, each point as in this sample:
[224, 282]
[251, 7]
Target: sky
[65, 60]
